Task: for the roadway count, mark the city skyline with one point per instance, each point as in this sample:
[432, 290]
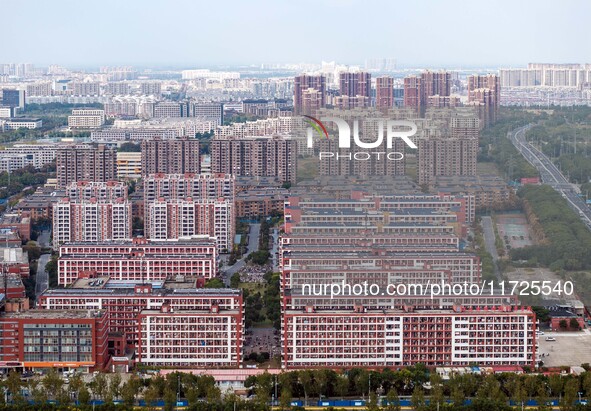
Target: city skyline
[253, 33]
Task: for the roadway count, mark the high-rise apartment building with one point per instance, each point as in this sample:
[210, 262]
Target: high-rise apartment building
[91, 220]
[187, 205]
[308, 87]
[383, 241]
[151, 88]
[485, 93]
[436, 83]
[85, 162]
[119, 88]
[255, 157]
[85, 88]
[177, 156]
[87, 190]
[187, 218]
[417, 90]
[182, 186]
[209, 337]
[384, 92]
[353, 84]
[413, 92]
[446, 157]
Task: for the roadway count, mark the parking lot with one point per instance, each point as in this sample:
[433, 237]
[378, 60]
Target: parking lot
[570, 348]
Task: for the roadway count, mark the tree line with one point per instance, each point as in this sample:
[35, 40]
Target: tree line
[384, 389]
[567, 239]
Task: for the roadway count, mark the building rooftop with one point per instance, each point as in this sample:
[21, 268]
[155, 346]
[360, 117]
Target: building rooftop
[24, 119]
[55, 314]
[130, 290]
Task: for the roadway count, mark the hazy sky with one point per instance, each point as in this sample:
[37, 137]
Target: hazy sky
[195, 33]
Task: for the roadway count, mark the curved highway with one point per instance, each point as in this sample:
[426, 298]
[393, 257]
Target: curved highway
[549, 173]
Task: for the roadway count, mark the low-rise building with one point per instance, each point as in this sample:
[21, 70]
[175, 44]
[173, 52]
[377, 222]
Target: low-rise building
[67, 339]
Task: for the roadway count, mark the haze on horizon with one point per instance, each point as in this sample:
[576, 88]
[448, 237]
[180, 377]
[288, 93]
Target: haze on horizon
[186, 33]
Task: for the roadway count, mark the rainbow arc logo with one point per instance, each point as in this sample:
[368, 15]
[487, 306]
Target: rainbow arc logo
[316, 125]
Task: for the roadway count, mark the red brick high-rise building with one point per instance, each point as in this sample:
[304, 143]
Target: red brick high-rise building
[274, 156]
[384, 92]
[484, 92]
[355, 84]
[413, 92]
[171, 156]
[85, 162]
[436, 83]
[305, 87]
[417, 90]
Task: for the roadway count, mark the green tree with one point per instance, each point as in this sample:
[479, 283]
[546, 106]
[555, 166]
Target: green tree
[214, 283]
[542, 397]
[418, 399]
[52, 383]
[321, 379]
[571, 388]
[84, 395]
[14, 385]
[362, 382]
[99, 386]
[214, 395]
[285, 399]
[436, 394]
[393, 400]
[169, 398]
[130, 389]
[235, 280]
[372, 403]
[556, 384]
[306, 379]
[37, 392]
[115, 385]
[563, 324]
[341, 386]
[151, 395]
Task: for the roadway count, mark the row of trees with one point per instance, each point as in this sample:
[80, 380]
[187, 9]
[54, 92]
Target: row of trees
[109, 388]
[17, 180]
[495, 147]
[426, 390]
[567, 238]
[263, 306]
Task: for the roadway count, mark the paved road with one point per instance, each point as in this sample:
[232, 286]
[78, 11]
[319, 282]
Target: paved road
[253, 245]
[550, 174]
[489, 243]
[42, 277]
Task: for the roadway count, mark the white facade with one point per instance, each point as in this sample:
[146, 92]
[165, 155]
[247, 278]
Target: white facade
[190, 338]
[86, 118]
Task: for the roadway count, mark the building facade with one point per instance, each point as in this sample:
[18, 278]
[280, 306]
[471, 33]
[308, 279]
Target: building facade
[255, 157]
[170, 156]
[138, 260]
[65, 339]
[85, 162]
